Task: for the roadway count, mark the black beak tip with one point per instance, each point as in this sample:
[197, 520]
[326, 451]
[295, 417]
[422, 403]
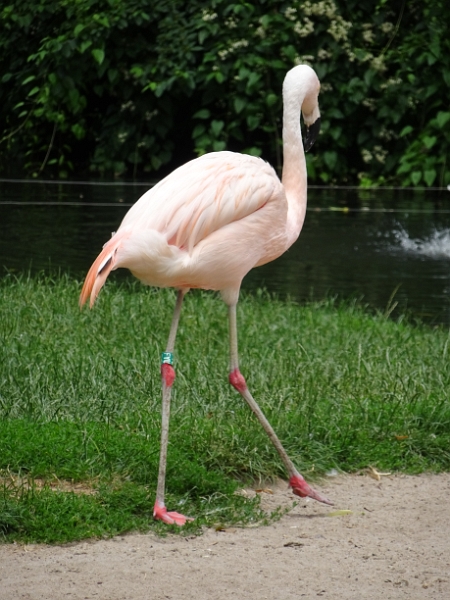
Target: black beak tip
[311, 134]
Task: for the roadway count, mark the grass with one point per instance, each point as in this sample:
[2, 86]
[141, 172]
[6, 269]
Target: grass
[80, 403]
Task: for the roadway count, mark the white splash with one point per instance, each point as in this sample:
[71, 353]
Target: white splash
[435, 245]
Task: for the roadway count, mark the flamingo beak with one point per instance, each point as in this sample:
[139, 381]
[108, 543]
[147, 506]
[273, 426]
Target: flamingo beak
[311, 134]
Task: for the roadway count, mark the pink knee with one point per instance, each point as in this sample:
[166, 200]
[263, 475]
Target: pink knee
[237, 380]
[168, 374]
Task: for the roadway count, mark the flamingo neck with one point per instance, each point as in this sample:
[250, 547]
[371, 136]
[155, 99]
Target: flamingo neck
[294, 176]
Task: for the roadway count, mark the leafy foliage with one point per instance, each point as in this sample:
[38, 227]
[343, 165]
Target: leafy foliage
[138, 86]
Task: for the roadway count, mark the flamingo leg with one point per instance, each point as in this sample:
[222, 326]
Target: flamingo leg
[160, 511]
[296, 481]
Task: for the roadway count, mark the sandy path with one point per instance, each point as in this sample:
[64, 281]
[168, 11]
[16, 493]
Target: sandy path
[394, 544]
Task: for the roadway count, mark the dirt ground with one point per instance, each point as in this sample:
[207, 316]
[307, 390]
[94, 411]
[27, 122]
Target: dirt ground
[394, 544]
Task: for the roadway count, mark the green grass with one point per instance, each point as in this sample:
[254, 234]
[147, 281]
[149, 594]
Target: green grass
[80, 401]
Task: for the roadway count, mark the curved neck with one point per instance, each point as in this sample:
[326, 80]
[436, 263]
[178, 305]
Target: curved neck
[294, 176]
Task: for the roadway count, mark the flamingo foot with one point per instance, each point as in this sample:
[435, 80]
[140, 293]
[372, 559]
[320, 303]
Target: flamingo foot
[303, 489]
[161, 513]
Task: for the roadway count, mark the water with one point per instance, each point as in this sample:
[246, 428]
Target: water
[389, 249]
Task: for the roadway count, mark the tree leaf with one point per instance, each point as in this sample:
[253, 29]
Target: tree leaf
[253, 121]
[442, 118]
[253, 151]
[271, 99]
[216, 127]
[416, 176]
[429, 176]
[239, 104]
[204, 113]
[198, 131]
[219, 145]
[85, 45]
[330, 159]
[28, 79]
[446, 76]
[98, 54]
[335, 113]
[429, 141]
[406, 131]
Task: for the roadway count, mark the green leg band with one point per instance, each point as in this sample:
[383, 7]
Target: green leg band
[167, 358]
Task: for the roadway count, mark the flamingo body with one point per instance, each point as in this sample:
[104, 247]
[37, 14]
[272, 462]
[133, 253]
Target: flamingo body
[206, 225]
[181, 236]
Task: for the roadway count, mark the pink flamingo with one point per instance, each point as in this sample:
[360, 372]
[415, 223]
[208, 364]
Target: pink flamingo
[205, 226]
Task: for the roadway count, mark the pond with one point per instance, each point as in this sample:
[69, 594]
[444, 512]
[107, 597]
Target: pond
[390, 249]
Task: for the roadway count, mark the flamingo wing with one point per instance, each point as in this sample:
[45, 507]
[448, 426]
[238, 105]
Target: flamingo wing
[203, 196]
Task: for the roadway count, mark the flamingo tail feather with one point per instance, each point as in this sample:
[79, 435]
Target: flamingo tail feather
[99, 271]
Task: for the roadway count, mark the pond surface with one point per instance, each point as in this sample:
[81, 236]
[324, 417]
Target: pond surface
[382, 247]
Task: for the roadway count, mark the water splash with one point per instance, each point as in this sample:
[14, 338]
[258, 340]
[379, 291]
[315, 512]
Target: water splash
[435, 245]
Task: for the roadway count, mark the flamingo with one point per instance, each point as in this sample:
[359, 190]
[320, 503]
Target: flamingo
[205, 226]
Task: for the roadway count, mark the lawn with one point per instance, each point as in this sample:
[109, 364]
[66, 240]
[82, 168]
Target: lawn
[80, 403]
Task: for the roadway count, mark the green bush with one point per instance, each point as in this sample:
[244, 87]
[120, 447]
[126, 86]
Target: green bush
[138, 86]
